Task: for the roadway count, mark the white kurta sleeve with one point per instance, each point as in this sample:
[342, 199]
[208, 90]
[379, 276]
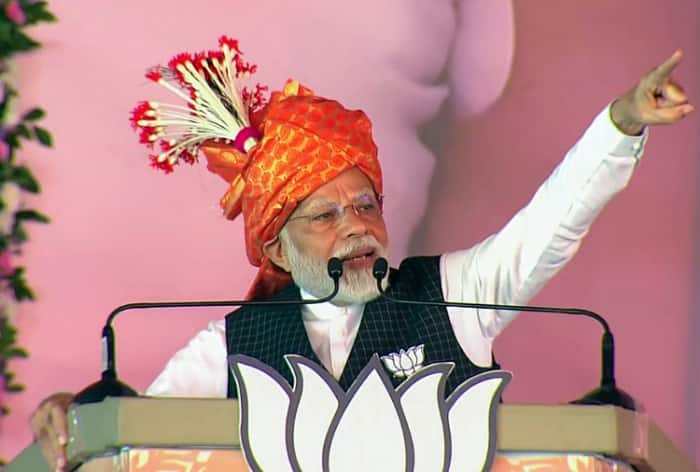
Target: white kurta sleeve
[511, 266]
[199, 369]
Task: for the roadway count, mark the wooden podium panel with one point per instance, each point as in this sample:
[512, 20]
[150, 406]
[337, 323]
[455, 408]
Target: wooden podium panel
[126, 434]
[228, 460]
[220, 460]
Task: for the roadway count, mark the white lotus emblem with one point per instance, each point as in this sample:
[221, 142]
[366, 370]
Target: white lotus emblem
[316, 427]
[404, 363]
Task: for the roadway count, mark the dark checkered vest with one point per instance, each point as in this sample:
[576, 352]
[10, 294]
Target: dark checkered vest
[268, 333]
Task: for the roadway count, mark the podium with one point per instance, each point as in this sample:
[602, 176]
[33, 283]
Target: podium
[180, 434]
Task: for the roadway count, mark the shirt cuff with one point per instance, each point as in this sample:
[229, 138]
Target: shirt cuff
[626, 145]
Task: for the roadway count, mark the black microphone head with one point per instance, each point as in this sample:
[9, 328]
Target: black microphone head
[380, 268]
[335, 268]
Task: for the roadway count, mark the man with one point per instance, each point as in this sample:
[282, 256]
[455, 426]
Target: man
[340, 215]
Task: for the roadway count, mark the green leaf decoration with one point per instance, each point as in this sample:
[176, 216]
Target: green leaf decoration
[17, 352]
[19, 235]
[13, 41]
[6, 28]
[22, 130]
[19, 286]
[6, 169]
[43, 136]
[13, 140]
[25, 179]
[31, 215]
[37, 12]
[5, 103]
[34, 114]
[14, 388]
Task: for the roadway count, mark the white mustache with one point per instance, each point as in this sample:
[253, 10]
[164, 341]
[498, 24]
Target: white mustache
[365, 242]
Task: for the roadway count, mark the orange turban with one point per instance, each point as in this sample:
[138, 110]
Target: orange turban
[305, 142]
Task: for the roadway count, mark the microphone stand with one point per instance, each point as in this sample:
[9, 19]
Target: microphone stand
[109, 384]
[606, 394]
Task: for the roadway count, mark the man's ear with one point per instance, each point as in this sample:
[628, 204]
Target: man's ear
[277, 253]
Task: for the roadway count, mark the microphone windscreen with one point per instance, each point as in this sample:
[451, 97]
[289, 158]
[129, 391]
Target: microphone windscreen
[380, 268]
[335, 268]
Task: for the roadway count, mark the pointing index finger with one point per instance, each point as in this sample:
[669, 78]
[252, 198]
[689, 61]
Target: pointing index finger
[661, 73]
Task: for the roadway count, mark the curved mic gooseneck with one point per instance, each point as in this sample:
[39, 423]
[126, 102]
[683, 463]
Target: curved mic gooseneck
[606, 394]
[109, 384]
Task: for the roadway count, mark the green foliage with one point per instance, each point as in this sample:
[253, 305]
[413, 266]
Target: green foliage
[31, 215]
[33, 115]
[43, 136]
[37, 12]
[15, 16]
[25, 179]
[13, 40]
[8, 351]
[19, 286]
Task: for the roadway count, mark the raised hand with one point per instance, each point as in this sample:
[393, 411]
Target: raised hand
[656, 99]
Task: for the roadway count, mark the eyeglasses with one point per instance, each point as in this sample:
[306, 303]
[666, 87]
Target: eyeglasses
[367, 207]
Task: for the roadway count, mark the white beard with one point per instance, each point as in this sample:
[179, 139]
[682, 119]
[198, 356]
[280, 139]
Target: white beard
[356, 285]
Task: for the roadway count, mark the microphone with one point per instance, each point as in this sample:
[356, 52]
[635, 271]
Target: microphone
[606, 394]
[110, 386]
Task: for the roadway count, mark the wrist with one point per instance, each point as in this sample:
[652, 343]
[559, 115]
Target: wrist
[623, 119]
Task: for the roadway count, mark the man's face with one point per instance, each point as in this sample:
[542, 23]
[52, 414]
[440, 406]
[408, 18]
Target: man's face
[315, 232]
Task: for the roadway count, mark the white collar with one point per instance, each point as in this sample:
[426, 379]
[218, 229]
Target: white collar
[326, 311]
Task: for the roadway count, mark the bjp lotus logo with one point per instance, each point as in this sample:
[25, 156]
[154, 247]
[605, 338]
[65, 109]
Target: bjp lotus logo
[406, 362]
[317, 427]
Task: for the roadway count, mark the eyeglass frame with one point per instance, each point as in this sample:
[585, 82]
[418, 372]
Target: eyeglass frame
[342, 210]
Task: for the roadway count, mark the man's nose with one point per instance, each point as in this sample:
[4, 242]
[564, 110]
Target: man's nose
[352, 224]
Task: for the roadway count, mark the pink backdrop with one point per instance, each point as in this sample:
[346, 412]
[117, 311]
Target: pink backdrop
[122, 232]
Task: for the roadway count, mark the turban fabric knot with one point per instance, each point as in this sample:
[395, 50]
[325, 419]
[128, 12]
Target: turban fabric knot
[305, 141]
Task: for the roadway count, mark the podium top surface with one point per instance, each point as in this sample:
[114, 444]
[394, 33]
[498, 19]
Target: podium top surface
[197, 422]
